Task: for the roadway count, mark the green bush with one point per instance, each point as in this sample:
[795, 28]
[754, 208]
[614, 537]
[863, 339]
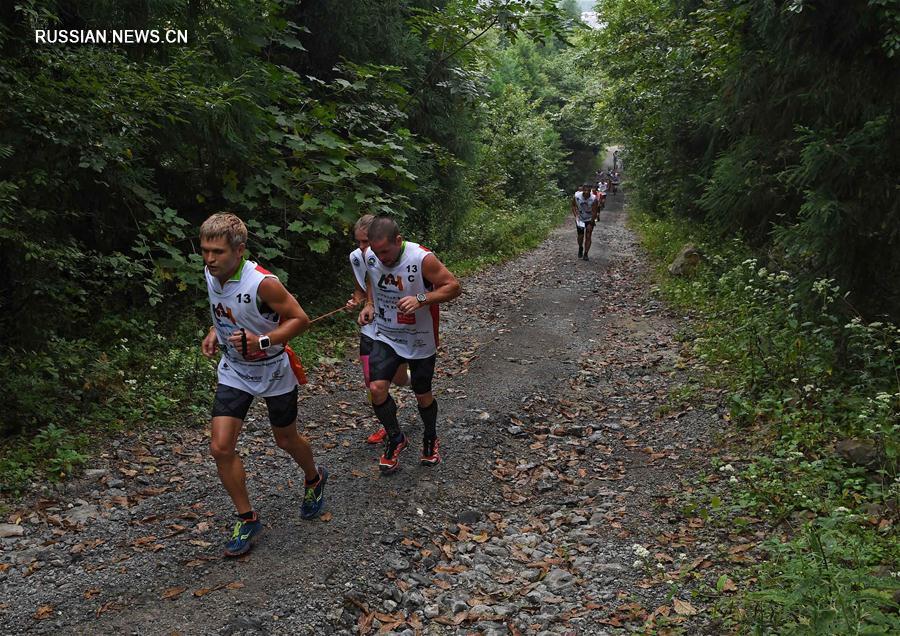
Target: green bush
[800, 375]
[77, 388]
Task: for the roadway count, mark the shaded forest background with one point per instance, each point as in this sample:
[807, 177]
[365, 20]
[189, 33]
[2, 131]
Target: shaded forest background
[457, 117]
[766, 134]
[765, 131]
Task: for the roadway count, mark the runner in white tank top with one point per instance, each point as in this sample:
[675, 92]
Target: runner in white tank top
[411, 335]
[405, 284]
[235, 305]
[367, 331]
[584, 209]
[254, 317]
[358, 264]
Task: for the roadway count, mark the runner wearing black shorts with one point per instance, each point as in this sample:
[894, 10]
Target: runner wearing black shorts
[254, 317]
[405, 283]
[584, 209]
[366, 332]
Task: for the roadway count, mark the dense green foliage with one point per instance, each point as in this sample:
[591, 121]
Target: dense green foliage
[297, 116]
[778, 119]
[798, 378]
[767, 132]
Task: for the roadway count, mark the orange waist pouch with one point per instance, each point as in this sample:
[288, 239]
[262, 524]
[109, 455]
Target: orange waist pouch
[296, 366]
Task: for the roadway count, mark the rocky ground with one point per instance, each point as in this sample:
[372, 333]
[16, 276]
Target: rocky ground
[555, 511]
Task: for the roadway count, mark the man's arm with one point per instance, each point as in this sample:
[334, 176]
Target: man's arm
[446, 287]
[359, 294]
[367, 314]
[293, 319]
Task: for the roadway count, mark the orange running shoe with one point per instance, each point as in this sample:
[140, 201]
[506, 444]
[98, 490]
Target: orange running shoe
[390, 461]
[430, 454]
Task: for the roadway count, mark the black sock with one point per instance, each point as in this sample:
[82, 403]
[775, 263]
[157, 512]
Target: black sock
[386, 412]
[429, 419]
[246, 516]
[314, 480]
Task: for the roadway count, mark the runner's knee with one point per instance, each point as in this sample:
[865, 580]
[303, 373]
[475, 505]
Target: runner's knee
[422, 372]
[379, 389]
[221, 449]
[286, 437]
[421, 386]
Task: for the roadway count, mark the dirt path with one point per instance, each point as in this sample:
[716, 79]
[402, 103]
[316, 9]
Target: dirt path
[563, 451]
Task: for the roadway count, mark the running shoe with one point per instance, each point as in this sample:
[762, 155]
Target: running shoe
[390, 461]
[314, 498]
[586, 257]
[430, 454]
[377, 437]
[242, 537]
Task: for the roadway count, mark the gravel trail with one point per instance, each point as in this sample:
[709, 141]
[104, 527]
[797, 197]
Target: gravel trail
[554, 511]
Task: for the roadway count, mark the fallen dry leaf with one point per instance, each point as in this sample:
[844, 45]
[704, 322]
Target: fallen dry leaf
[326, 516]
[173, 592]
[44, 611]
[741, 548]
[684, 608]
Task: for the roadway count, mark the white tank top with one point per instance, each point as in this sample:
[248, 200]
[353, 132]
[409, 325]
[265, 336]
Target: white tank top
[585, 206]
[235, 305]
[359, 271]
[412, 336]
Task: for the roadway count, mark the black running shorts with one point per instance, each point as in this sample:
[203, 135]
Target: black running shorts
[365, 345]
[384, 362]
[232, 402]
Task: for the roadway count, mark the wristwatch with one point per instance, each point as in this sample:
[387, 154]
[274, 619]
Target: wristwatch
[264, 343]
[421, 298]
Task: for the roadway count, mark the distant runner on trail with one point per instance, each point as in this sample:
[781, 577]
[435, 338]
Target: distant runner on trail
[406, 282]
[367, 331]
[584, 209]
[614, 180]
[254, 317]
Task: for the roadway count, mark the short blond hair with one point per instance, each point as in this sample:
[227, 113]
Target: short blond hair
[363, 223]
[224, 224]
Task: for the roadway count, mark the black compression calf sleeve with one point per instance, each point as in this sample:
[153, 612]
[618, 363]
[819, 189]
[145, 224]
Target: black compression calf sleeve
[429, 419]
[386, 412]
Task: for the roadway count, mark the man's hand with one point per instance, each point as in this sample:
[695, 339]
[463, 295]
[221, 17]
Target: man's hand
[352, 302]
[210, 344]
[367, 315]
[408, 304]
[252, 343]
